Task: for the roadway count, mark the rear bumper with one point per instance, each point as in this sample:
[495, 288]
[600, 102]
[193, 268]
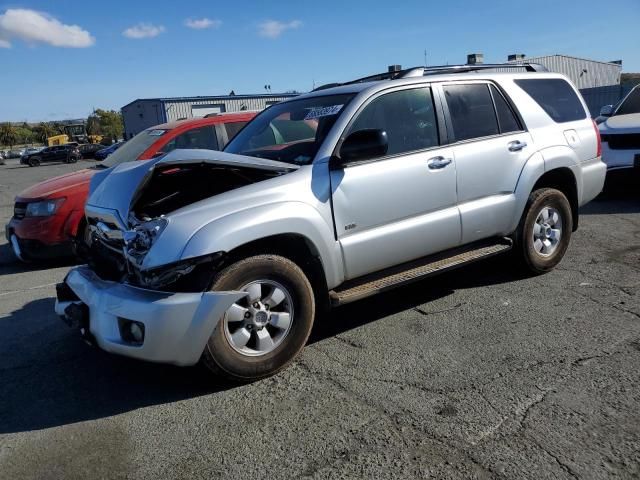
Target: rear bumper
[620, 158]
[176, 326]
[590, 176]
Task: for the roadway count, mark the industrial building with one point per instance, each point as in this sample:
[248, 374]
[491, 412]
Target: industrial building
[598, 82]
[147, 112]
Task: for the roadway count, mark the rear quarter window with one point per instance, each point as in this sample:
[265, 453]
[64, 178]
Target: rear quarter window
[556, 97]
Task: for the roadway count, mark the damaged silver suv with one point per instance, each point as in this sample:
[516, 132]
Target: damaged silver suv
[225, 257]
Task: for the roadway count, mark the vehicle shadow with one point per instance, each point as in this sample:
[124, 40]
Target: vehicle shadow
[621, 194]
[49, 377]
[9, 264]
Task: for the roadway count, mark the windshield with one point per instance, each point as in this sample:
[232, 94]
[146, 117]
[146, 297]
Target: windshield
[132, 149]
[631, 104]
[290, 132]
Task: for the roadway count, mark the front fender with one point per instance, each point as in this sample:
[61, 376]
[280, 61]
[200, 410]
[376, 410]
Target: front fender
[240, 228]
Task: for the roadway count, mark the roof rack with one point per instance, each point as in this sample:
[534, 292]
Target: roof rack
[438, 70]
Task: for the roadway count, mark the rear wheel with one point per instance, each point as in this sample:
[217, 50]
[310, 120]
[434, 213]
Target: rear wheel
[544, 231]
[261, 333]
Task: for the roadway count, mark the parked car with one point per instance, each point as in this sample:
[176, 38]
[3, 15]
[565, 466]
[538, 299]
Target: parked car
[89, 150]
[49, 215]
[31, 150]
[17, 153]
[67, 153]
[105, 152]
[325, 199]
[620, 131]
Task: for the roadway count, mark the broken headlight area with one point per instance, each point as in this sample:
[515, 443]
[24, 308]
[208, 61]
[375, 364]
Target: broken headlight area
[141, 238]
[191, 275]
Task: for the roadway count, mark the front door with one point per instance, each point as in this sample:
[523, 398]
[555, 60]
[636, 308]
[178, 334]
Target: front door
[402, 206]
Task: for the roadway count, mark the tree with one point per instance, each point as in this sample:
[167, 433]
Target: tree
[43, 131]
[8, 134]
[107, 123]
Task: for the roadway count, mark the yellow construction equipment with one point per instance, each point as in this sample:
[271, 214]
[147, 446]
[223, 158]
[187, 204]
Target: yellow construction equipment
[74, 133]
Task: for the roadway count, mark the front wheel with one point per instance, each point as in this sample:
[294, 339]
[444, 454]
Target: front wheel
[34, 162]
[544, 231]
[261, 333]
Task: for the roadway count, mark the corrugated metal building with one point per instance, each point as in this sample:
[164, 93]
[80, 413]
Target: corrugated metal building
[584, 73]
[147, 112]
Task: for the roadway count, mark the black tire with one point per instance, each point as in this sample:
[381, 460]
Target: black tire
[34, 161]
[222, 359]
[73, 159]
[529, 258]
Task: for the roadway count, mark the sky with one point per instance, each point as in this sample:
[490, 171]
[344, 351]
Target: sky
[59, 60]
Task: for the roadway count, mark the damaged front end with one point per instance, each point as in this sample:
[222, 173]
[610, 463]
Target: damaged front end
[125, 221]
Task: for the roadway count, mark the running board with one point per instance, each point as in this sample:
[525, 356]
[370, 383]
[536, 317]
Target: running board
[377, 282]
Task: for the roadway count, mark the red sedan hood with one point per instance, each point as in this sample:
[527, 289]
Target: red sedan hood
[58, 186]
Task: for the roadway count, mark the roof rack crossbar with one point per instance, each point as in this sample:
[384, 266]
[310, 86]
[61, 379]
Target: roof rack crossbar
[439, 70]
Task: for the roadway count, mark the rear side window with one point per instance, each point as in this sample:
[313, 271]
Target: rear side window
[556, 97]
[506, 118]
[471, 110]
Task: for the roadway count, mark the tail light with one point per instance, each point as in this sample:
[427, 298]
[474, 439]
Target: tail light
[598, 139]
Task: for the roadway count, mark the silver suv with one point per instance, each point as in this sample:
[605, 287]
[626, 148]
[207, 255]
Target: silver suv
[225, 257]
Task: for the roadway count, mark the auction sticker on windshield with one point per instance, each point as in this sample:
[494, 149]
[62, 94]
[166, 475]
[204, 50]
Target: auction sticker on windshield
[323, 112]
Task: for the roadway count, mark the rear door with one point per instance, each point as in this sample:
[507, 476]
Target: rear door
[402, 206]
[491, 148]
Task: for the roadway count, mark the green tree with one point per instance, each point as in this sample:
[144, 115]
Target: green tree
[107, 123]
[8, 134]
[42, 131]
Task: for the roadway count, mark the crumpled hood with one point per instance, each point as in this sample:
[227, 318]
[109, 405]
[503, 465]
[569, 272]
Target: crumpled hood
[57, 186]
[629, 123]
[116, 188]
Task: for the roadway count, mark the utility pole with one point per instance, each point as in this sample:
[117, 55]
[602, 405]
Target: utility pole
[425, 57]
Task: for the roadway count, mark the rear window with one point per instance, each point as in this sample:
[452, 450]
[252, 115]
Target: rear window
[556, 97]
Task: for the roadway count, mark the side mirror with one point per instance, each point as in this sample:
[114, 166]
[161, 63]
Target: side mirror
[606, 111]
[158, 154]
[364, 145]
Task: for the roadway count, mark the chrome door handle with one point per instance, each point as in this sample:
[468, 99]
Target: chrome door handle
[437, 163]
[516, 146]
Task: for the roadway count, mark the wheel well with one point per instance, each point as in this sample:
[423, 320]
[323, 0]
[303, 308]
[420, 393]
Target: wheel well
[562, 179]
[296, 248]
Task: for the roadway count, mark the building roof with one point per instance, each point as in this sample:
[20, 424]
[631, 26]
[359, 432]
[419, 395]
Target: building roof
[537, 57]
[211, 97]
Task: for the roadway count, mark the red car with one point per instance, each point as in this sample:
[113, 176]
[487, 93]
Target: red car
[50, 214]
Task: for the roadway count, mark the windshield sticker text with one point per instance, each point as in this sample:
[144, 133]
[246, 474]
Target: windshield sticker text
[323, 112]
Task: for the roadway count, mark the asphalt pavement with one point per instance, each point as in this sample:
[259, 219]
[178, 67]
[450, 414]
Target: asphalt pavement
[478, 373]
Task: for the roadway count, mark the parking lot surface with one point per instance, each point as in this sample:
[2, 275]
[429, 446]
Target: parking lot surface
[480, 372]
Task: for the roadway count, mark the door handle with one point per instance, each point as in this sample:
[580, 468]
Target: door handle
[437, 163]
[516, 146]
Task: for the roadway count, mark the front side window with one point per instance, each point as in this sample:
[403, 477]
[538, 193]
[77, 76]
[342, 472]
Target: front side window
[556, 97]
[133, 148]
[202, 138]
[471, 110]
[291, 131]
[407, 116]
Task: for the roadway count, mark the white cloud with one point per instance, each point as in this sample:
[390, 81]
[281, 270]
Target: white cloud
[275, 28]
[38, 27]
[143, 30]
[202, 23]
